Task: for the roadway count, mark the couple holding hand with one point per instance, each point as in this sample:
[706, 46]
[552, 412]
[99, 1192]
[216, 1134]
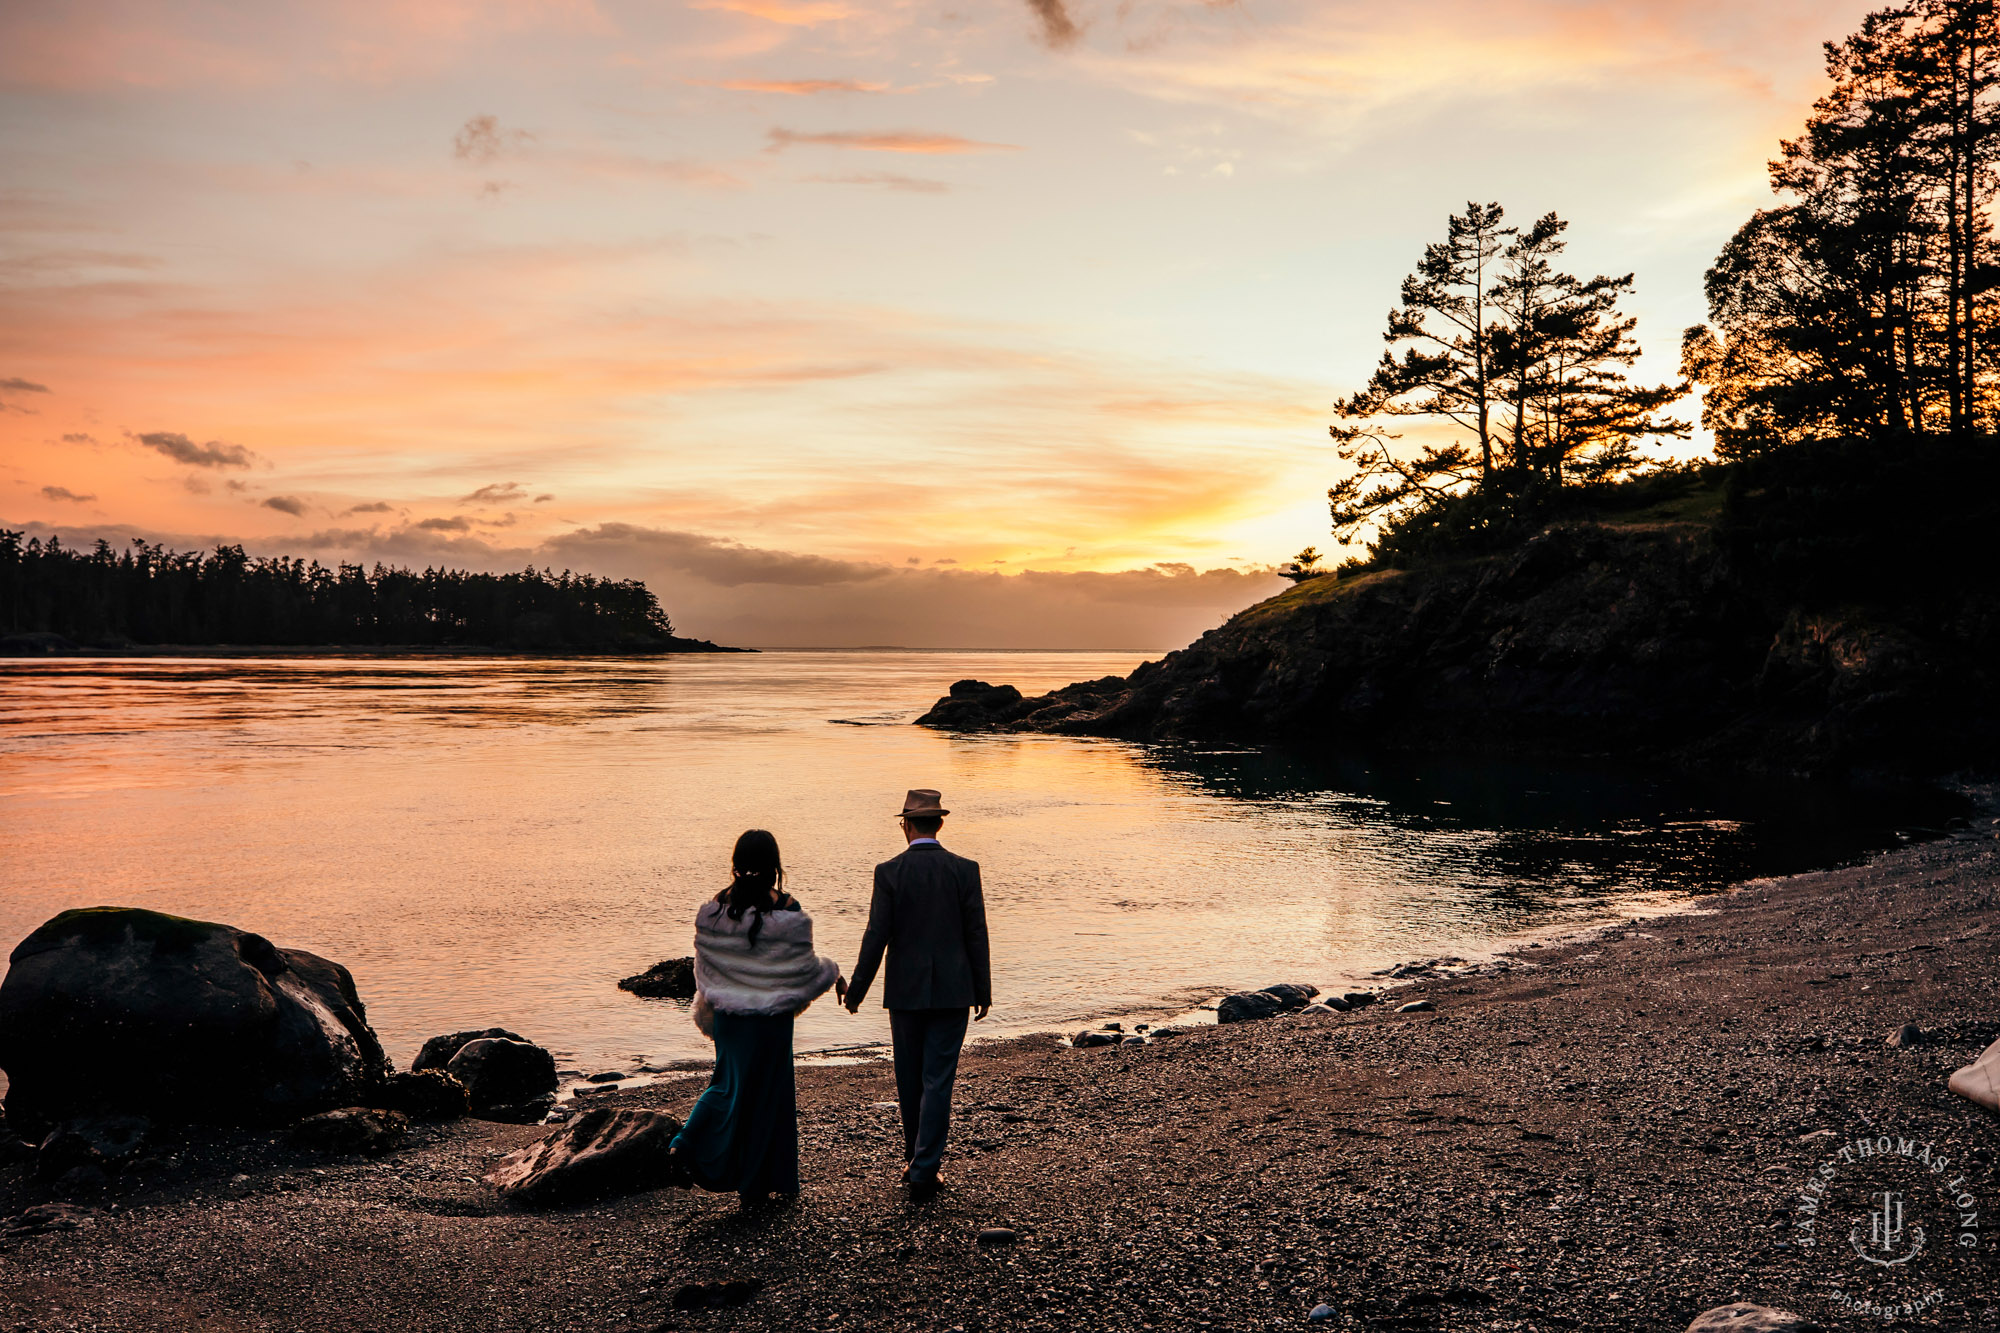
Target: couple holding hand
[755, 969]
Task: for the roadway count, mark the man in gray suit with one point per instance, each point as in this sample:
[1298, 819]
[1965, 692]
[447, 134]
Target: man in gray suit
[929, 914]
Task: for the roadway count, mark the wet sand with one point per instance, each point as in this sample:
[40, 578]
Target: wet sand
[1609, 1134]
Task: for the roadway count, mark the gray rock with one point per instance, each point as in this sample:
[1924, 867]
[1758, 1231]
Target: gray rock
[43, 1218]
[1245, 1006]
[351, 1129]
[1134, 1040]
[600, 1153]
[670, 978]
[1289, 996]
[1336, 1003]
[1165, 1032]
[1358, 999]
[1322, 1312]
[1751, 1319]
[1113, 1027]
[1416, 1007]
[505, 1078]
[1086, 1040]
[106, 1143]
[427, 1094]
[437, 1052]
[123, 1011]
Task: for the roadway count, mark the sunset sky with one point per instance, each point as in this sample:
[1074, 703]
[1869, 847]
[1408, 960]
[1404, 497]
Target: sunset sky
[995, 325]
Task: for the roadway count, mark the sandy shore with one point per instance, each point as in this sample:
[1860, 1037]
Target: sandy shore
[1612, 1134]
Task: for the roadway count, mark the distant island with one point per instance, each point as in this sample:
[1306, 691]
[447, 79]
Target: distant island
[147, 599]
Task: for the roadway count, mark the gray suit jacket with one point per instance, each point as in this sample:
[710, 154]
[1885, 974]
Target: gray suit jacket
[930, 915]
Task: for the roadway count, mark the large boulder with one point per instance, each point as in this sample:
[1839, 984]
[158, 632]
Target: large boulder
[437, 1052]
[1979, 1082]
[601, 1153]
[670, 978]
[123, 1011]
[506, 1080]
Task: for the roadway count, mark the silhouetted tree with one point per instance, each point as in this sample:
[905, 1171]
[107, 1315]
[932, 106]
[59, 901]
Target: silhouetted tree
[1865, 304]
[148, 594]
[1501, 344]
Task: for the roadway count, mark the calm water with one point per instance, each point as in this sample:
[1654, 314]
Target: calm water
[496, 842]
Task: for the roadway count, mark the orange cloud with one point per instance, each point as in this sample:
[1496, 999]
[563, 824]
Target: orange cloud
[791, 13]
[894, 141]
[796, 87]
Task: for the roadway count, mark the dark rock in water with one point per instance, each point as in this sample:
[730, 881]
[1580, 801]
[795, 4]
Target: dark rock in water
[605, 1076]
[1247, 1005]
[1291, 997]
[351, 1129]
[600, 1153]
[1750, 1319]
[427, 1094]
[505, 1077]
[670, 979]
[437, 1052]
[717, 1295]
[122, 1011]
[106, 1143]
[1357, 999]
[973, 705]
[1086, 1040]
[37, 643]
[44, 1218]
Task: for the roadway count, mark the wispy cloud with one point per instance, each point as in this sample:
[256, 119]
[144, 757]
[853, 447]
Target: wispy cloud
[183, 450]
[500, 492]
[65, 493]
[791, 13]
[373, 507]
[1058, 28]
[481, 141]
[796, 87]
[887, 141]
[887, 180]
[22, 386]
[78, 437]
[285, 504]
[454, 524]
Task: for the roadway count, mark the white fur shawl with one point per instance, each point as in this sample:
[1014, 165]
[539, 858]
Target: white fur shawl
[782, 975]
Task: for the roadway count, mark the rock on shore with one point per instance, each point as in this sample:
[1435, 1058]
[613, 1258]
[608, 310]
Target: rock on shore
[123, 1011]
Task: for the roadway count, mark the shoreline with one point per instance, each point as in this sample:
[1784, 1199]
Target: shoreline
[81, 652]
[1612, 1139]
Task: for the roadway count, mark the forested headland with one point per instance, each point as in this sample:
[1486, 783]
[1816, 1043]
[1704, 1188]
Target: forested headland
[1814, 595]
[147, 595]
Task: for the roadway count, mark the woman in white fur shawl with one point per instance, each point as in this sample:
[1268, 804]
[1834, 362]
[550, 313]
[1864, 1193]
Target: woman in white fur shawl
[754, 969]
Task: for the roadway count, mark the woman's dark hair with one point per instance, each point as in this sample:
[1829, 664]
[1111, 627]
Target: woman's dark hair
[759, 878]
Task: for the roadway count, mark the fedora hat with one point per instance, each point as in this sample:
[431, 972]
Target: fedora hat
[922, 802]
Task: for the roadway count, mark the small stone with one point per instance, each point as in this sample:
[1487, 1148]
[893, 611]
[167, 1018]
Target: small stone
[1358, 999]
[604, 1076]
[1750, 1319]
[1416, 1007]
[1246, 1006]
[1083, 1041]
[1134, 1040]
[351, 1129]
[998, 1236]
[1113, 1027]
[1337, 1003]
[1322, 1312]
[1907, 1036]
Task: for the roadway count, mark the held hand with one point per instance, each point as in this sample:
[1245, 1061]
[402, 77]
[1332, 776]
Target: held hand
[840, 989]
[980, 1011]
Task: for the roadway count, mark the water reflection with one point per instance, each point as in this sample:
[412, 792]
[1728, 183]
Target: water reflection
[498, 841]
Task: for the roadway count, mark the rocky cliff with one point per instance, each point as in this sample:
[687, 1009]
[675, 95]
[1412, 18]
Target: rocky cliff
[1656, 640]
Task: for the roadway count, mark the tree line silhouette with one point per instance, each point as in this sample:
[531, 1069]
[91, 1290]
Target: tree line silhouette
[147, 594]
[1863, 309]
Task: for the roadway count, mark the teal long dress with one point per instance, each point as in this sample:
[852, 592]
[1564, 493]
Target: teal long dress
[743, 1133]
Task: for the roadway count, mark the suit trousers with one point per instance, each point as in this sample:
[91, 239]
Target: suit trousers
[926, 1043]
